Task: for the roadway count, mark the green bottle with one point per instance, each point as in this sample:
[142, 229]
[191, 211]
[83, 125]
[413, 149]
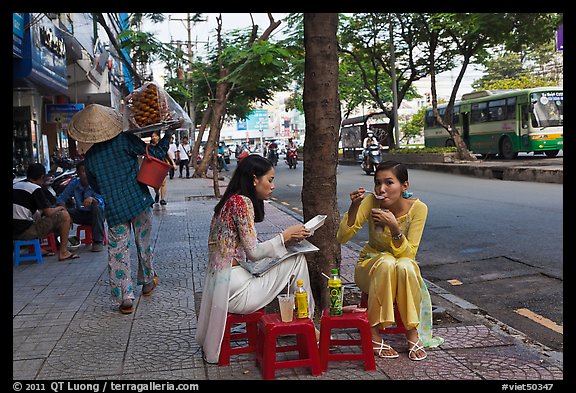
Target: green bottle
[336, 293]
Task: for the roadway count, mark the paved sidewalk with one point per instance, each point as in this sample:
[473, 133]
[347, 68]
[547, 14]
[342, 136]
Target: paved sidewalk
[64, 327]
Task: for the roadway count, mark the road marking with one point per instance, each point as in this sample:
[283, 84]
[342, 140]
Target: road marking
[540, 319]
[285, 203]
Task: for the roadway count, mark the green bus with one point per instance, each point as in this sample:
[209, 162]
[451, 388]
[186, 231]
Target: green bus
[504, 122]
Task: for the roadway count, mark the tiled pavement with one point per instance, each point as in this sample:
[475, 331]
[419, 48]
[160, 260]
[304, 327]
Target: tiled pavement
[64, 327]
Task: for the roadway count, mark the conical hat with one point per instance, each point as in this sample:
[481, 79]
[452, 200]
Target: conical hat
[95, 123]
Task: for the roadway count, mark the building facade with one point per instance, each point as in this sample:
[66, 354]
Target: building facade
[61, 62]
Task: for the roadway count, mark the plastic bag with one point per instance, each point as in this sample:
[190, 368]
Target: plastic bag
[150, 108]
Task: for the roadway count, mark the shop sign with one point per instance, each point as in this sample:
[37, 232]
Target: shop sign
[61, 113]
[43, 55]
[17, 33]
[258, 120]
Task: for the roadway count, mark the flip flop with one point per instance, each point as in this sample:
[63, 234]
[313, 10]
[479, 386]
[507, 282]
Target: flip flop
[149, 291]
[71, 256]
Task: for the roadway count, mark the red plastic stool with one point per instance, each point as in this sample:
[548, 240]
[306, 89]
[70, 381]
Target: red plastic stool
[355, 320]
[398, 329]
[270, 327]
[48, 243]
[251, 321]
[87, 234]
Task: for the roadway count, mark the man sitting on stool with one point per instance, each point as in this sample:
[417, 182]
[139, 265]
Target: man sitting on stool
[88, 206]
[32, 215]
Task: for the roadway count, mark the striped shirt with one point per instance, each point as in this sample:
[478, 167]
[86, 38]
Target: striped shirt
[27, 198]
[112, 168]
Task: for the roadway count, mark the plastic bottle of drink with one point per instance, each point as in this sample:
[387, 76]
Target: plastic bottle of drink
[301, 300]
[336, 294]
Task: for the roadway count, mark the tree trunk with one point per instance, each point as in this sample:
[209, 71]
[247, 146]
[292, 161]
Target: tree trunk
[218, 112]
[198, 142]
[463, 152]
[322, 113]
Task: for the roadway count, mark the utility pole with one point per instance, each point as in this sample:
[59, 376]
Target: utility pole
[394, 89]
[191, 105]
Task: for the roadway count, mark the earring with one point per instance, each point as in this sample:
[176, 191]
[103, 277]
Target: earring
[406, 194]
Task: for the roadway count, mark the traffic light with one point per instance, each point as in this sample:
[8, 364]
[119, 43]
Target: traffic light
[428, 98]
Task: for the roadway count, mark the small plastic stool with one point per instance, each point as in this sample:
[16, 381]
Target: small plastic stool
[87, 229]
[35, 255]
[398, 329]
[251, 321]
[354, 320]
[270, 327]
[48, 243]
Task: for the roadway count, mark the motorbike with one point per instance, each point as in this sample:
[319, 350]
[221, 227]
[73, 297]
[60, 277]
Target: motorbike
[273, 155]
[292, 158]
[244, 152]
[56, 182]
[221, 161]
[371, 159]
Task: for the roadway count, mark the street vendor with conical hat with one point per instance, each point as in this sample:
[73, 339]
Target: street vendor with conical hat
[112, 165]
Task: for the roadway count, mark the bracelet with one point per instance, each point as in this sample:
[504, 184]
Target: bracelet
[397, 237]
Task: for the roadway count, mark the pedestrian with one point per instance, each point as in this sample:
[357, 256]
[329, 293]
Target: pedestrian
[184, 156]
[387, 269]
[32, 214]
[112, 167]
[88, 205]
[172, 152]
[161, 192]
[232, 240]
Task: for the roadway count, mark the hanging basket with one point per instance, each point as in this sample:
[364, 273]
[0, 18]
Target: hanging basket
[152, 171]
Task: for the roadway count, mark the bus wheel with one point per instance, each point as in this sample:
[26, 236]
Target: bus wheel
[506, 150]
[551, 153]
[450, 143]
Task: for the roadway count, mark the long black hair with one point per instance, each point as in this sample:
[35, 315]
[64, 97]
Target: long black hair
[242, 183]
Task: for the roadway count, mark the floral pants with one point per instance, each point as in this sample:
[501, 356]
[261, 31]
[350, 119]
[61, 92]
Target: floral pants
[119, 243]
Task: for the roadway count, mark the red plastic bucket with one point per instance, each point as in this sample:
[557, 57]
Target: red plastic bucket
[152, 171]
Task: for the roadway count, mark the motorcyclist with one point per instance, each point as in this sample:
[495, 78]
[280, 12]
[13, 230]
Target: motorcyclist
[221, 159]
[273, 152]
[369, 140]
[291, 148]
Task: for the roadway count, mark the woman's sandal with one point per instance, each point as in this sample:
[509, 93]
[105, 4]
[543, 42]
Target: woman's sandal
[382, 346]
[412, 352]
[147, 289]
[126, 307]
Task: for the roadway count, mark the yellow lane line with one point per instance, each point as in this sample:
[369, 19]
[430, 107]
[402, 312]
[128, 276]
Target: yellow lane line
[540, 319]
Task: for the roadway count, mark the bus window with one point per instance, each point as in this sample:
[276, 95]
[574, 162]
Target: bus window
[479, 112]
[496, 110]
[547, 109]
[456, 114]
